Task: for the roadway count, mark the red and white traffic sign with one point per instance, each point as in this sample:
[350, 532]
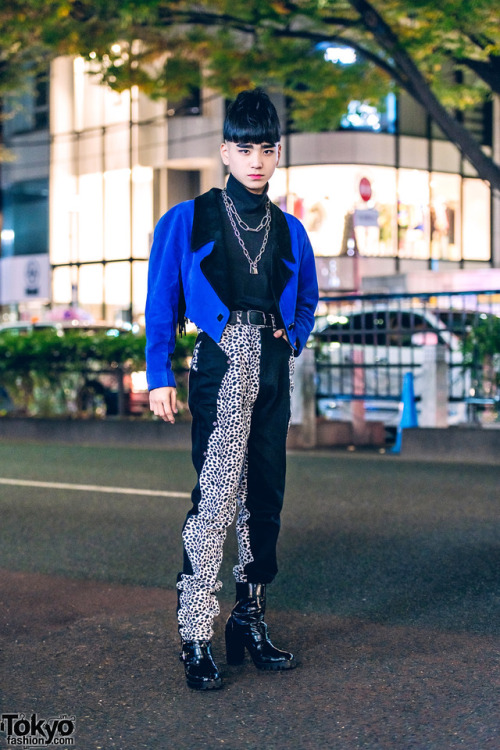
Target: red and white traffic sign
[365, 188]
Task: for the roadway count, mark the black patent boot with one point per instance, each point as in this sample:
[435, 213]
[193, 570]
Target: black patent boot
[201, 670]
[246, 628]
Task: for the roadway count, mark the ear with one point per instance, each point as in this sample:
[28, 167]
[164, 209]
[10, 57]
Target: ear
[224, 153]
[278, 154]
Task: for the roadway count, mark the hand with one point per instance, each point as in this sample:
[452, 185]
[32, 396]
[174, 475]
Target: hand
[163, 403]
[281, 333]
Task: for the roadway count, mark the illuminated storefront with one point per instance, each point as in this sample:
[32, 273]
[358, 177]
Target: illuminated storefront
[387, 212]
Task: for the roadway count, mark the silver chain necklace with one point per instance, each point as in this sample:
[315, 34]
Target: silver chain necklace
[264, 224]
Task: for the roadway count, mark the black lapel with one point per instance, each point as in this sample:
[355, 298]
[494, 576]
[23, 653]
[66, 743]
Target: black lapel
[283, 234]
[281, 272]
[207, 227]
[206, 221]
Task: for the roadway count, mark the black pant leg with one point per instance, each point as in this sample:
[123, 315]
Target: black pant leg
[259, 518]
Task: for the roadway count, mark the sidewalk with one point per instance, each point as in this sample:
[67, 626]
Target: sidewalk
[456, 444]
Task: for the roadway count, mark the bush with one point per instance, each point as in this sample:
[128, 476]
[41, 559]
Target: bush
[481, 349]
[44, 371]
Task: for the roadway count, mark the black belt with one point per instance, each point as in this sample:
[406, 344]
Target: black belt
[252, 318]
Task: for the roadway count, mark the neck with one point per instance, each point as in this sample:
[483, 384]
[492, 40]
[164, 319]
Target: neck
[244, 198]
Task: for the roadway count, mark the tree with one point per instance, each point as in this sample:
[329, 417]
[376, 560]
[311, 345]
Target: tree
[461, 46]
[24, 52]
[417, 47]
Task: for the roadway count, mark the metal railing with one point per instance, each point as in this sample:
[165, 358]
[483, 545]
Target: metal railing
[364, 344]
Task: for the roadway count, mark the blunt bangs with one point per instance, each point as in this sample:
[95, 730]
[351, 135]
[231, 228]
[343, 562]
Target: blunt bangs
[252, 118]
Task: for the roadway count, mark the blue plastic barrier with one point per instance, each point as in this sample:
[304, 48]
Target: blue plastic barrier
[407, 411]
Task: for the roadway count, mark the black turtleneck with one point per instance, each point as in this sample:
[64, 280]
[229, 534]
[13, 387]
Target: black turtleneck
[248, 291]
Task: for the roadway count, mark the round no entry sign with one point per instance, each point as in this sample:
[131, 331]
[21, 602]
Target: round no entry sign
[365, 188]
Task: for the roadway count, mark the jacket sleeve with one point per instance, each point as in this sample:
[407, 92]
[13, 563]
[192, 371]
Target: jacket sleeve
[172, 234]
[307, 293]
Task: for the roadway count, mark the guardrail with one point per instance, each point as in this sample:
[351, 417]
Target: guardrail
[364, 345]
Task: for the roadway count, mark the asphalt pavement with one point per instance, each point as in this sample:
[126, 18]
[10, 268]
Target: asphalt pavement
[388, 594]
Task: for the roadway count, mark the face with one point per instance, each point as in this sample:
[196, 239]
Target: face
[252, 164]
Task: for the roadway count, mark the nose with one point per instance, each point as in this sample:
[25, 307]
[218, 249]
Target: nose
[256, 161]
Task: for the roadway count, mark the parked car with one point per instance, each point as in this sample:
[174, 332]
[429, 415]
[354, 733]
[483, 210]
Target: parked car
[364, 353]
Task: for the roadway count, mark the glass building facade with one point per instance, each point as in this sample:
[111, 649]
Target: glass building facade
[111, 178]
[405, 213]
[387, 189]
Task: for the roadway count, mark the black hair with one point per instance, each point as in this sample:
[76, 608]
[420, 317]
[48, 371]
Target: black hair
[252, 118]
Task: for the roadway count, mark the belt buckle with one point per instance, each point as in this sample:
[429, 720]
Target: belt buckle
[258, 312]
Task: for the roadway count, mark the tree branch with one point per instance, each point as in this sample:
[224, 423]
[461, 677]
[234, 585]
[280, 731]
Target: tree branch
[367, 54]
[489, 72]
[204, 18]
[486, 167]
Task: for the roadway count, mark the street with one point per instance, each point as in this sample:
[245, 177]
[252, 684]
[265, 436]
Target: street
[388, 594]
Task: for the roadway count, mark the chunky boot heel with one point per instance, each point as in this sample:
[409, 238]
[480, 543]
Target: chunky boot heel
[200, 668]
[235, 648]
[246, 628]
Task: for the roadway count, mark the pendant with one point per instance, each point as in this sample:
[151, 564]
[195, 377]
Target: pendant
[254, 270]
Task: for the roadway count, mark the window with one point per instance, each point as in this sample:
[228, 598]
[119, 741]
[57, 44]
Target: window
[363, 116]
[328, 200]
[476, 208]
[26, 218]
[41, 102]
[445, 225]
[34, 110]
[413, 214]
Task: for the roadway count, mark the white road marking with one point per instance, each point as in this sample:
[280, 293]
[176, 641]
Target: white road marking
[92, 488]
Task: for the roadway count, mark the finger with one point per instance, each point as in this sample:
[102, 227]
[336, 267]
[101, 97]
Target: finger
[160, 409]
[173, 401]
[166, 412]
[277, 334]
[169, 408]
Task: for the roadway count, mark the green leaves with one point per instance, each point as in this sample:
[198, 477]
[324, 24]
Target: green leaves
[481, 350]
[243, 44]
[483, 340]
[240, 44]
[47, 352]
[43, 371]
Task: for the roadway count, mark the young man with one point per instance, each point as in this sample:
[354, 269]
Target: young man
[243, 272]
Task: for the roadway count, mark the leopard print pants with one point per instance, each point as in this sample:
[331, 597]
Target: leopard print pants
[239, 396]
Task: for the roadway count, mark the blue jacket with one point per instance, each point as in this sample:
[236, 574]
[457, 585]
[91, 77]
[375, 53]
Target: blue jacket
[187, 262]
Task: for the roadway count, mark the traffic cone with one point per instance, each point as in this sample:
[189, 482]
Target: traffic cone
[407, 411]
